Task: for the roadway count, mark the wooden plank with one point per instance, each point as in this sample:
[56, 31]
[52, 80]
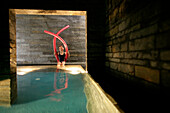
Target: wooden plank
[48, 12]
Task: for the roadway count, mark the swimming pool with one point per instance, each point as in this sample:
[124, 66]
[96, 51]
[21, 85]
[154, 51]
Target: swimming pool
[52, 90]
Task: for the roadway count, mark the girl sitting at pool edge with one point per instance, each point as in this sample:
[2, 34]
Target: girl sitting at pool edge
[61, 55]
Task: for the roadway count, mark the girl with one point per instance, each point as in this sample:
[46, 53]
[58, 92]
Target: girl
[61, 55]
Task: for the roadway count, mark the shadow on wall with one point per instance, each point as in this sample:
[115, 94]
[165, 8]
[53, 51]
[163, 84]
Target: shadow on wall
[132, 94]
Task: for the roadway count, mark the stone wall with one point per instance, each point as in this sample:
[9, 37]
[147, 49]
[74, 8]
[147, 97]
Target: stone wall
[137, 40]
[8, 82]
[36, 47]
[98, 101]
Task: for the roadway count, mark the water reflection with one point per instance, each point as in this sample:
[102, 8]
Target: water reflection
[49, 90]
[60, 83]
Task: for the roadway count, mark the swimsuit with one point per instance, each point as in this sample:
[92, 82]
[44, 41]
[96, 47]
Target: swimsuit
[61, 57]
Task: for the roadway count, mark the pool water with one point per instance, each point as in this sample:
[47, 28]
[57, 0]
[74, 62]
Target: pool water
[49, 92]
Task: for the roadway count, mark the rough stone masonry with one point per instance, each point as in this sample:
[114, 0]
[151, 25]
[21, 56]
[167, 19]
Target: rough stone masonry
[36, 47]
[137, 36]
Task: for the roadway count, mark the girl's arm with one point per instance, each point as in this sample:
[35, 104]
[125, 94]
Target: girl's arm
[68, 54]
[56, 53]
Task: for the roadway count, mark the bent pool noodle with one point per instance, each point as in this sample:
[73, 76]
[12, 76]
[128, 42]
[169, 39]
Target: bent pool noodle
[55, 50]
[66, 48]
[65, 45]
[62, 29]
[54, 42]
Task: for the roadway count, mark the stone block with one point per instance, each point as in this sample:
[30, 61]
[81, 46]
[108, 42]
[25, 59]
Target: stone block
[151, 55]
[134, 61]
[120, 39]
[123, 38]
[5, 91]
[124, 46]
[144, 32]
[154, 64]
[133, 28]
[165, 55]
[12, 68]
[122, 7]
[115, 41]
[114, 30]
[142, 44]
[108, 49]
[5, 96]
[5, 82]
[126, 68]
[131, 54]
[165, 65]
[151, 75]
[109, 54]
[113, 14]
[120, 34]
[112, 17]
[116, 48]
[5, 102]
[123, 25]
[114, 65]
[118, 55]
[114, 59]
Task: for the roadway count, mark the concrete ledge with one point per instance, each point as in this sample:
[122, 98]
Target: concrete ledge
[98, 101]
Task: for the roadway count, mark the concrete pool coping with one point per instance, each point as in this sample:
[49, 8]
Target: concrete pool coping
[98, 101]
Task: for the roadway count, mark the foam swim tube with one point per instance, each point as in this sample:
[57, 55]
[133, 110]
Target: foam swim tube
[54, 42]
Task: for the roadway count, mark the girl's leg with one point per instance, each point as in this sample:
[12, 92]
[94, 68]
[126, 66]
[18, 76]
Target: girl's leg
[59, 63]
[63, 63]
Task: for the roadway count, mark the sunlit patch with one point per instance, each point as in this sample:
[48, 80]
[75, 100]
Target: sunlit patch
[75, 70]
[72, 69]
[37, 79]
[27, 70]
[23, 71]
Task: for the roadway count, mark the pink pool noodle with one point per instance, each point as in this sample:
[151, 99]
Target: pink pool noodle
[54, 42]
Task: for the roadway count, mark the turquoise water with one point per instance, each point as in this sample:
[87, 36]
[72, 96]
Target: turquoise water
[49, 92]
